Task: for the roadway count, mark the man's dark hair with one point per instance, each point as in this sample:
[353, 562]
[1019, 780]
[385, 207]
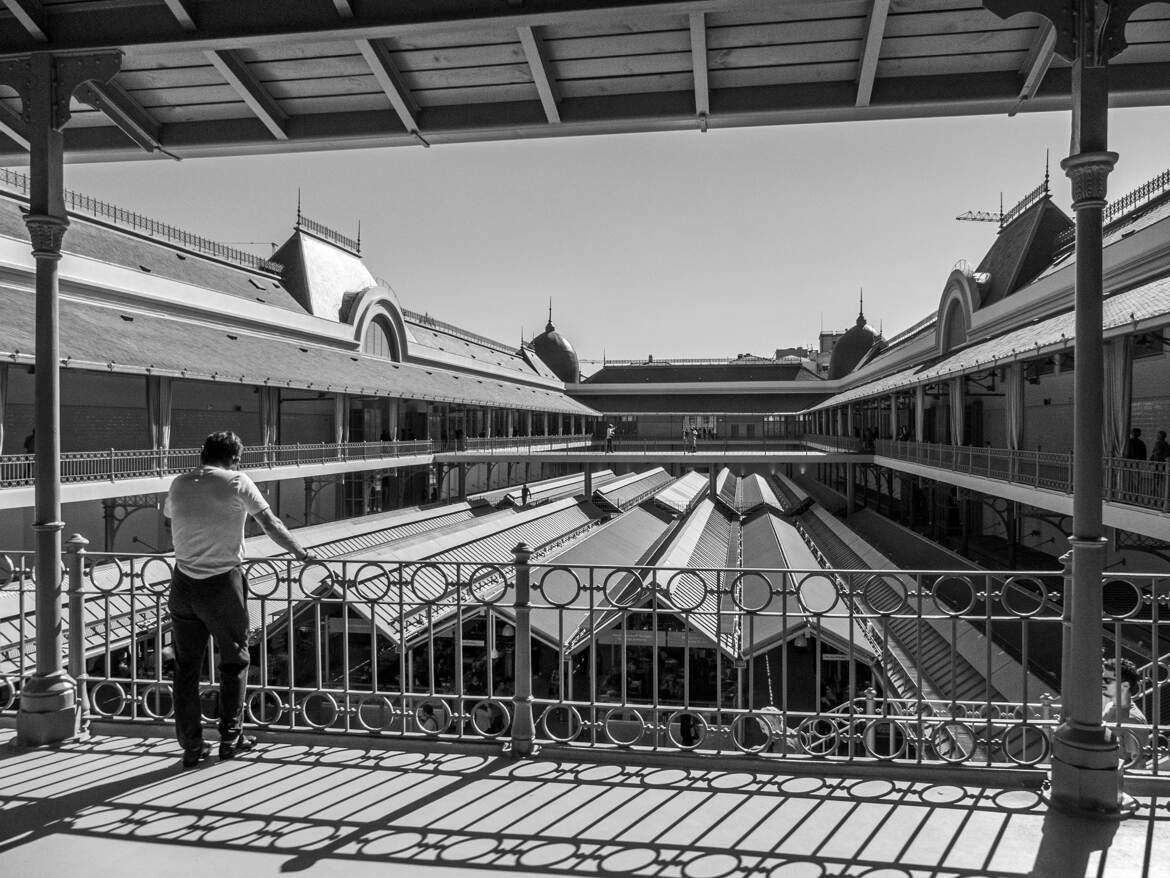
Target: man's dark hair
[221, 449]
[1126, 671]
[1135, 432]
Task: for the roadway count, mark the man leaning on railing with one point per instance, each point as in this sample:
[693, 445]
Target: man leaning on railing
[208, 508]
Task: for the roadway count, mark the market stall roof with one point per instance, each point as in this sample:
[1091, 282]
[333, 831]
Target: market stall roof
[206, 77]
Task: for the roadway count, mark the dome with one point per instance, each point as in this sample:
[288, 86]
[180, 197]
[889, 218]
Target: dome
[557, 353]
[851, 348]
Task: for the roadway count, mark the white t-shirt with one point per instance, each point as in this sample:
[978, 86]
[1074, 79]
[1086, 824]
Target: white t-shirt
[207, 509]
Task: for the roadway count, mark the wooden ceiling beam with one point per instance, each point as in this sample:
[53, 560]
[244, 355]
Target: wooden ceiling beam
[184, 14]
[1039, 59]
[14, 127]
[232, 68]
[542, 73]
[125, 112]
[377, 56]
[31, 16]
[254, 23]
[871, 49]
[699, 64]
[344, 9]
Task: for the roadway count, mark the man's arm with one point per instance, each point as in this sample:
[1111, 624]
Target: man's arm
[281, 535]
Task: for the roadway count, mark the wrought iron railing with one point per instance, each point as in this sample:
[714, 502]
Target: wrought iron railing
[459, 332]
[19, 470]
[614, 657]
[573, 441]
[78, 203]
[353, 245]
[1134, 482]
[1121, 208]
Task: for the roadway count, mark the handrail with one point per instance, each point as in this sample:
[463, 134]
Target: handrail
[136, 222]
[19, 470]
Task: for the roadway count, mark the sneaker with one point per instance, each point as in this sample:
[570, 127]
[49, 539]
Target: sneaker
[193, 757]
[231, 749]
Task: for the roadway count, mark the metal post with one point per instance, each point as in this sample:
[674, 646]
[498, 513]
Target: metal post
[588, 471]
[523, 725]
[850, 488]
[1085, 773]
[75, 550]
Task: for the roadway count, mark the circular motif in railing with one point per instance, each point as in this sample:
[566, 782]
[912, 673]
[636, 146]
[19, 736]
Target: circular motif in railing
[885, 594]
[559, 586]
[1132, 753]
[315, 579]
[370, 582]
[265, 707]
[798, 869]
[157, 701]
[686, 729]
[491, 719]
[425, 592]
[319, 709]
[7, 693]
[7, 570]
[1121, 599]
[953, 741]
[885, 738]
[751, 733]
[433, 716]
[811, 595]
[562, 723]
[624, 726]
[686, 590]
[376, 713]
[1024, 596]
[624, 587]
[484, 575]
[109, 585]
[155, 574]
[751, 591]
[209, 703]
[950, 591]
[1025, 743]
[819, 735]
[107, 698]
[263, 578]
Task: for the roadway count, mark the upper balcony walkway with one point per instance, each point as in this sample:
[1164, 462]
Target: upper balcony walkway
[119, 804]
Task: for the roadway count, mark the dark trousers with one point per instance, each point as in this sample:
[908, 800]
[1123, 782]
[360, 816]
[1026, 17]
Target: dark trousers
[200, 607]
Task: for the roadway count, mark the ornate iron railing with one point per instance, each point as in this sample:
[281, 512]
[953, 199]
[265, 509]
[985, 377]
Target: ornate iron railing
[19, 470]
[98, 209]
[1134, 482]
[716, 661]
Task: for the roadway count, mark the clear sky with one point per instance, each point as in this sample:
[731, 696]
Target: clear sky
[681, 244]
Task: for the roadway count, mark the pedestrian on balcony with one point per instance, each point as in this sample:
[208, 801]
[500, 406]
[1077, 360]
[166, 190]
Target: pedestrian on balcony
[1160, 451]
[610, 432]
[1135, 448]
[207, 509]
[694, 439]
[30, 443]
[1120, 681]
[524, 494]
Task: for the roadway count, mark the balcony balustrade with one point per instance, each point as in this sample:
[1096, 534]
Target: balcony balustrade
[19, 470]
[896, 667]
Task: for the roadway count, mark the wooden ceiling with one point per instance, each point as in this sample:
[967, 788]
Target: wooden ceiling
[230, 77]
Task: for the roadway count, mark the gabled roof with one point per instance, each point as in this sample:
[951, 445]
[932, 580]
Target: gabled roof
[320, 274]
[1023, 249]
[750, 369]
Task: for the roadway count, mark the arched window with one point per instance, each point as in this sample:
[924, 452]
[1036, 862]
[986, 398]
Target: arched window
[379, 339]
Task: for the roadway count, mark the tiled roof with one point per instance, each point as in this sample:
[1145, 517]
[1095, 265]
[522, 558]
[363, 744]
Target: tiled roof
[119, 340]
[91, 239]
[658, 373]
[1150, 301]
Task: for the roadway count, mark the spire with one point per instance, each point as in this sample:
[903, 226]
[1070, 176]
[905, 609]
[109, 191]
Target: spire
[550, 326]
[861, 306]
[359, 238]
[1047, 191]
[298, 205]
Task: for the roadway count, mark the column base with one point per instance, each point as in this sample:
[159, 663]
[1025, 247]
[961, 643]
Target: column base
[1086, 773]
[48, 711]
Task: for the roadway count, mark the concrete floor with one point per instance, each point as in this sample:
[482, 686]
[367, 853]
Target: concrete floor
[122, 806]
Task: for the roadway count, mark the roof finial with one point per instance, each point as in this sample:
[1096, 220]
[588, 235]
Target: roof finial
[298, 205]
[861, 306]
[1047, 191]
[550, 326]
[359, 238]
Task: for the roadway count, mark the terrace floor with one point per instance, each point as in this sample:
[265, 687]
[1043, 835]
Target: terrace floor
[121, 805]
